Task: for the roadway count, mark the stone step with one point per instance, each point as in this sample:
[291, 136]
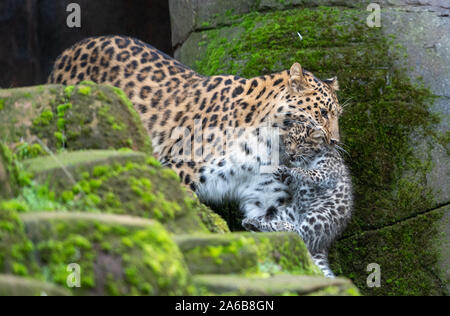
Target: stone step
[87, 116]
[30, 219]
[118, 182]
[116, 254]
[246, 253]
[59, 170]
[16, 286]
[281, 284]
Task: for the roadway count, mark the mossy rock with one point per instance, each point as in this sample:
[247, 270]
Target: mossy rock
[87, 116]
[119, 183]
[413, 256]
[191, 16]
[283, 284]
[213, 221]
[117, 255]
[8, 173]
[254, 253]
[16, 250]
[16, 286]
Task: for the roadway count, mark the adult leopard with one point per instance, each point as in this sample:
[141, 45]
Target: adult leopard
[189, 116]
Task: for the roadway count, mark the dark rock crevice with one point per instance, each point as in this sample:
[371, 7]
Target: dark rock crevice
[400, 221]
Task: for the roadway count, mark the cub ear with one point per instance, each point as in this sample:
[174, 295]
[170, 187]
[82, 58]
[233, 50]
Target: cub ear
[297, 80]
[318, 136]
[333, 83]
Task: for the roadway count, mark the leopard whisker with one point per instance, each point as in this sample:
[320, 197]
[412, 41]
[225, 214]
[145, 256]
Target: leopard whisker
[341, 150]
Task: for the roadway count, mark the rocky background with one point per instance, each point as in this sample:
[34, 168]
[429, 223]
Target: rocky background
[395, 90]
[78, 183]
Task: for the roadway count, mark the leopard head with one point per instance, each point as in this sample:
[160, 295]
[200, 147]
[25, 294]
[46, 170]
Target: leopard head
[309, 96]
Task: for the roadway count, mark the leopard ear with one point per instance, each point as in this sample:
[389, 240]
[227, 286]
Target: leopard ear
[333, 83]
[297, 80]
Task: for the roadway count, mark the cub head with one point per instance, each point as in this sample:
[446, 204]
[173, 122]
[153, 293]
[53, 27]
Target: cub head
[309, 96]
[303, 140]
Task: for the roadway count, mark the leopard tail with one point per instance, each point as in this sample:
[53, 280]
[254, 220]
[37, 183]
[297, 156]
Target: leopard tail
[321, 260]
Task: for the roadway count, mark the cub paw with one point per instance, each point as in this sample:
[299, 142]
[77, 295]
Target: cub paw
[283, 226]
[251, 224]
[283, 175]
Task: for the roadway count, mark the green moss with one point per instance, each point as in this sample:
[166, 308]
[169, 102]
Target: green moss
[15, 247]
[104, 112]
[44, 119]
[12, 177]
[405, 253]
[85, 90]
[88, 83]
[75, 116]
[62, 109]
[27, 151]
[68, 91]
[149, 263]
[213, 221]
[249, 254]
[102, 97]
[205, 24]
[152, 161]
[2, 104]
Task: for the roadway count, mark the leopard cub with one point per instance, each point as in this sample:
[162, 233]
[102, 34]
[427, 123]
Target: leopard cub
[321, 190]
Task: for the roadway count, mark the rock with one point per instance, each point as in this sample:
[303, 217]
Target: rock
[8, 174]
[16, 286]
[213, 221]
[121, 183]
[412, 255]
[19, 52]
[118, 255]
[246, 253]
[16, 250]
[423, 36]
[275, 285]
[59, 170]
[82, 117]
